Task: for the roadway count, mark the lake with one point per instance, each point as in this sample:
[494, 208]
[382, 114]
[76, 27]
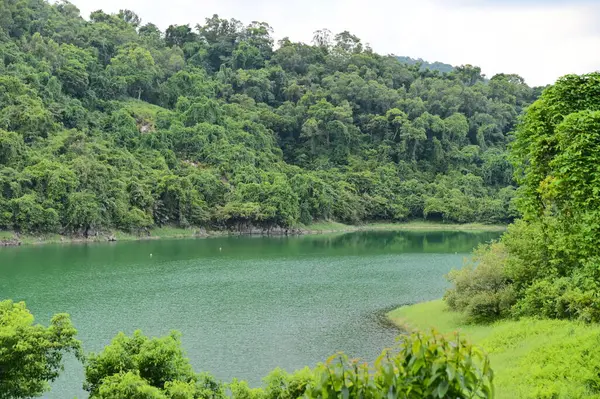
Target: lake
[244, 305]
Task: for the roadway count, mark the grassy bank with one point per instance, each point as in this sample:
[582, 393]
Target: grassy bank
[334, 227]
[531, 358]
[12, 238]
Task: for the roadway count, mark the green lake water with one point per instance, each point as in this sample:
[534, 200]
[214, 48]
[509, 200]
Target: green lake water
[245, 305]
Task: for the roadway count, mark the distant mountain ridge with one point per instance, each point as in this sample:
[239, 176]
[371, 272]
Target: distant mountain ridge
[434, 66]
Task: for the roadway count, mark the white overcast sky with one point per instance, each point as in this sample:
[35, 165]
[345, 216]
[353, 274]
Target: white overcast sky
[538, 39]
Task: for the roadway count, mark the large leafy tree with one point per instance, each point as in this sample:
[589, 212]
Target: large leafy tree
[134, 69]
[549, 258]
[555, 154]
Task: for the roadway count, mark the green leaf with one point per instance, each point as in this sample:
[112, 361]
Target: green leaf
[442, 388]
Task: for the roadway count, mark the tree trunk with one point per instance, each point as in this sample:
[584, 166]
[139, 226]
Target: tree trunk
[414, 150]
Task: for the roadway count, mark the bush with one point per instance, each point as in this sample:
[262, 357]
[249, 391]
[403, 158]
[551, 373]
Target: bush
[30, 354]
[489, 306]
[282, 385]
[241, 390]
[127, 385]
[420, 366]
[433, 366]
[563, 298]
[482, 289]
[529, 258]
[146, 366]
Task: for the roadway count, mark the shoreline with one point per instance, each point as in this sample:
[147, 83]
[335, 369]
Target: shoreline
[333, 227]
[11, 238]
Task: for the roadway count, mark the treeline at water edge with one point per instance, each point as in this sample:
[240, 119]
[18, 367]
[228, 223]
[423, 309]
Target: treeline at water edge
[547, 266]
[110, 123]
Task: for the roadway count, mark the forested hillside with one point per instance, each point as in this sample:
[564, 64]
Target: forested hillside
[110, 123]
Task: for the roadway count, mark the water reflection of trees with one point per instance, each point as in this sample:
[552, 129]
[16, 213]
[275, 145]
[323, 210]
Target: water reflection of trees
[403, 241]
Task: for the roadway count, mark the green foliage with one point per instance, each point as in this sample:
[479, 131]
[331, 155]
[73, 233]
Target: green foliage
[280, 384]
[31, 215]
[107, 124]
[560, 190]
[531, 357]
[127, 385]
[432, 366]
[241, 390]
[30, 354]
[434, 66]
[132, 70]
[146, 367]
[11, 147]
[154, 360]
[550, 267]
[83, 211]
[482, 289]
[421, 366]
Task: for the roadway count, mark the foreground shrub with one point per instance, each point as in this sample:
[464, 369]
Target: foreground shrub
[148, 367]
[127, 385]
[283, 385]
[433, 366]
[420, 366]
[30, 354]
[241, 390]
[482, 289]
[139, 367]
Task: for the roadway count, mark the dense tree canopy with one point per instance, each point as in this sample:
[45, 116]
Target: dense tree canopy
[547, 263]
[109, 123]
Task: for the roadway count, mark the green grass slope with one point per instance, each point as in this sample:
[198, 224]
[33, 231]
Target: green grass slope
[531, 358]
